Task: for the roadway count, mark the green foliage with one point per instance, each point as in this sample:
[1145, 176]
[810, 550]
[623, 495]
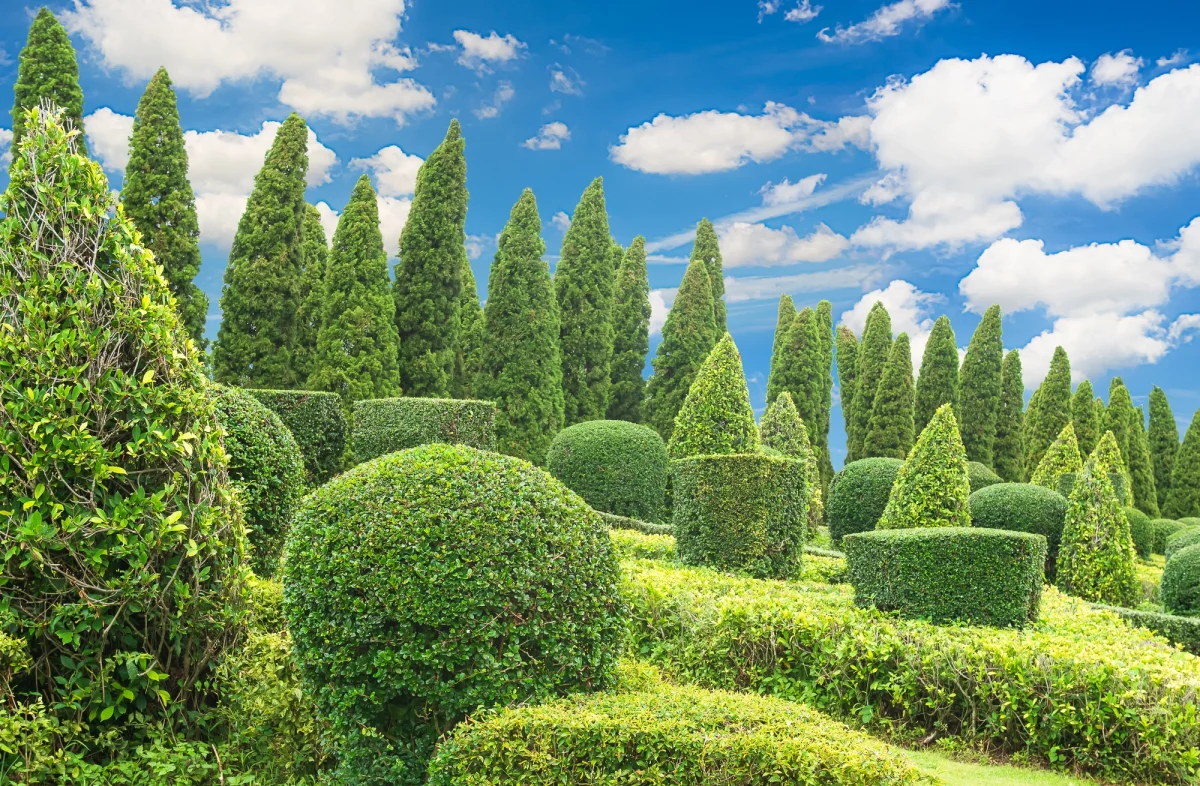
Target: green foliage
[159, 201]
[783, 323]
[1184, 631]
[825, 331]
[1096, 557]
[1008, 455]
[1183, 500]
[978, 576]
[389, 557]
[688, 336]
[318, 424]
[706, 249]
[890, 432]
[938, 382]
[631, 334]
[1164, 529]
[613, 521]
[783, 430]
[1084, 417]
[631, 544]
[583, 281]
[1141, 530]
[1141, 468]
[1049, 410]
[386, 425]
[261, 296]
[1164, 442]
[267, 470]
[468, 354]
[47, 71]
[428, 283]
[716, 417]
[1181, 539]
[1022, 507]
[742, 512]
[799, 369]
[847, 372]
[617, 467]
[1181, 582]
[521, 371]
[932, 488]
[1119, 417]
[979, 476]
[979, 388]
[872, 356]
[859, 494]
[314, 256]
[124, 546]
[1060, 458]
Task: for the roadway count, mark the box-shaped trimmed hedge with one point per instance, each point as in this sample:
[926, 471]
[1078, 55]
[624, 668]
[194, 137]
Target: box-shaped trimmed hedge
[742, 512]
[979, 576]
[385, 425]
[616, 466]
[318, 425]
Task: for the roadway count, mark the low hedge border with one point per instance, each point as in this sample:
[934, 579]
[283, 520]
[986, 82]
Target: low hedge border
[386, 425]
[318, 424]
[613, 521]
[630, 544]
[1184, 631]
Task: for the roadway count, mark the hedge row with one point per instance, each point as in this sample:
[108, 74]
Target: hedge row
[317, 423]
[617, 467]
[628, 544]
[1184, 631]
[386, 425]
[613, 521]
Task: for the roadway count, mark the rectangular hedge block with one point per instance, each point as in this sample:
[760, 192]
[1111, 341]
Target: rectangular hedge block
[944, 574]
[385, 425]
[318, 424]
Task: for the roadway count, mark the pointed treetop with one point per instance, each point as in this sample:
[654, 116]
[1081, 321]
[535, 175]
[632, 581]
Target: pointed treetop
[47, 71]
[631, 334]
[890, 431]
[938, 381]
[716, 417]
[1183, 500]
[979, 387]
[873, 352]
[1061, 458]
[1083, 417]
[1164, 441]
[1008, 459]
[932, 487]
[1107, 455]
[707, 249]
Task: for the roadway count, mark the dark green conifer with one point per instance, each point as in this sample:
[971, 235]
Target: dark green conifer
[872, 355]
[716, 417]
[1007, 455]
[783, 322]
[468, 355]
[825, 330]
[47, 71]
[1164, 441]
[1141, 469]
[707, 249]
[847, 371]
[428, 286]
[979, 388]
[1119, 416]
[631, 334]
[314, 256]
[260, 299]
[890, 434]
[938, 382]
[1051, 411]
[1083, 418]
[1183, 500]
[799, 369]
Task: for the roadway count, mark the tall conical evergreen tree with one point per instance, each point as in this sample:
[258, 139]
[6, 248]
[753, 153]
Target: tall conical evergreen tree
[1183, 500]
[891, 429]
[1119, 416]
[1008, 458]
[583, 281]
[468, 354]
[1096, 558]
[825, 329]
[356, 347]
[1164, 441]
[47, 71]
[1099, 412]
[631, 334]
[1141, 469]
[428, 285]
[158, 199]
[799, 371]
[314, 256]
[262, 280]
[872, 355]
[688, 335]
[1083, 418]
[716, 417]
[1051, 412]
[979, 388]
[783, 322]
[707, 249]
[938, 382]
[521, 370]
[847, 370]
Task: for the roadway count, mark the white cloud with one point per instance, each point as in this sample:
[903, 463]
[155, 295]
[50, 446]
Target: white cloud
[504, 93]
[477, 244]
[1178, 57]
[395, 171]
[1119, 70]
[740, 290]
[885, 22]
[804, 12]
[661, 301]
[786, 191]
[1097, 343]
[108, 138]
[6, 136]
[1182, 328]
[744, 244]
[766, 8]
[324, 59]
[549, 137]
[479, 52]
[560, 221]
[393, 214]
[563, 82]
[329, 220]
[909, 309]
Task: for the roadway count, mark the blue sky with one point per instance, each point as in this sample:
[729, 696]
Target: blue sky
[939, 155]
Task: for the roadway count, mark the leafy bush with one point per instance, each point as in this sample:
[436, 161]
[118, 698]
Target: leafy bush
[1184, 631]
[1096, 557]
[1022, 507]
[741, 512]
[1188, 536]
[634, 545]
[981, 476]
[1163, 530]
[617, 467]
[980, 576]
[386, 425]
[1061, 458]
[1141, 530]
[613, 521]
[266, 468]
[318, 424]
[429, 582]
[931, 489]
[784, 432]
[858, 495]
[1181, 583]
[716, 416]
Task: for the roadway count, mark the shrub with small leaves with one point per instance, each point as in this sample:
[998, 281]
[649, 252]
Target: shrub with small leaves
[1060, 458]
[859, 494]
[1181, 583]
[386, 425]
[318, 424]
[1141, 529]
[1096, 557]
[932, 488]
[716, 416]
[1163, 530]
[981, 476]
[784, 431]
[1023, 507]
[617, 467]
[1189, 536]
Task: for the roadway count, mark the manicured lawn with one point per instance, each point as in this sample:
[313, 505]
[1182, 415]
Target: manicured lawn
[957, 773]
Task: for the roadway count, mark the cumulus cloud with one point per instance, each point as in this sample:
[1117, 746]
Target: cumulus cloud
[560, 221]
[549, 137]
[6, 137]
[886, 22]
[395, 171]
[661, 301]
[787, 191]
[1116, 70]
[564, 79]
[329, 219]
[909, 308]
[1176, 58]
[504, 93]
[482, 52]
[744, 244]
[108, 138]
[804, 12]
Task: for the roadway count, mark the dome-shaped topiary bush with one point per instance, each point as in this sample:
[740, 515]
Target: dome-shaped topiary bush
[981, 476]
[1022, 507]
[432, 581]
[266, 467]
[1141, 529]
[616, 466]
[1163, 530]
[1189, 536]
[1181, 583]
[931, 489]
[858, 495]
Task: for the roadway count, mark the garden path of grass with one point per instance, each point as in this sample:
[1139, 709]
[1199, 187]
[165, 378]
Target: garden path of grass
[957, 773]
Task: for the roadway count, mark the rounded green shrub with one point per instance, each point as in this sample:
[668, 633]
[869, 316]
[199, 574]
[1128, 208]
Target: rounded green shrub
[1181, 583]
[1022, 507]
[433, 581]
[266, 468]
[1188, 536]
[386, 425]
[981, 476]
[1096, 557]
[1141, 530]
[318, 424]
[858, 495]
[1164, 529]
[617, 467]
[1190, 522]
[931, 489]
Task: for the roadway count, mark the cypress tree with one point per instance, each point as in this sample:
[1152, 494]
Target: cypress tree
[1141, 469]
[158, 199]
[1061, 458]
[469, 353]
[847, 371]
[787, 315]
[707, 249]
[1183, 500]
[938, 382]
[356, 346]
[890, 434]
[1083, 418]
[799, 371]
[260, 298]
[314, 255]
[872, 355]
[584, 284]
[979, 388]
[932, 488]
[521, 370]
[688, 335]
[1098, 411]
[428, 286]
[1007, 454]
[1051, 412]
[47, 71]
[716, 417]
[825, 329]
[1096, 558]
[1164, 441]
[1119, 416]
[631, 334]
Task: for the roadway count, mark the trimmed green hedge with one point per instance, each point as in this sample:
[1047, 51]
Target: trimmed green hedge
[1163, 529]
[318, 424]
[1181, 539]
[742, 512]
[386, 425]
[629, 544]
[981, 476]
[944, 574]
[1180, 588]
[1022, 507]
[1184, 631]
[1141, 530]
[613, 521]
[859, 494]
[617, 467]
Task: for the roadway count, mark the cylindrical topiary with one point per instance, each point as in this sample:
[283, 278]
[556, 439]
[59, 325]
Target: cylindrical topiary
[1189, 536]
[1181, 583]
[1022, 507]
[267, 469]
[931, 489]
[1141, 529]
[432, 581]
[981, 476]
[616, 466]
[1164, 529]
[858, 495]
[386, 425]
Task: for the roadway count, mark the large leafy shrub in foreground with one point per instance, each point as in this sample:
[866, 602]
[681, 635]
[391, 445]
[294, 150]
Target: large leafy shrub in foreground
[932, 488]
[318, 424]
[859, 494]
[617, 467]
[1095, 560]
[121, 564]
[1022, 507]
[1181, 582]
[436, 580]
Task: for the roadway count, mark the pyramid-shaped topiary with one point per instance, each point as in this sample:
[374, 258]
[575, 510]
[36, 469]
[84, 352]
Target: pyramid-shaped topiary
[716, 416]
[1096, 558]
[933, 486]
[1060, 458]
[784, 431]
